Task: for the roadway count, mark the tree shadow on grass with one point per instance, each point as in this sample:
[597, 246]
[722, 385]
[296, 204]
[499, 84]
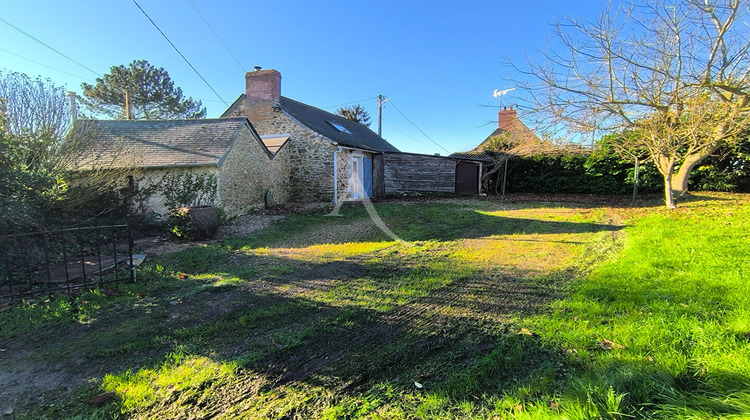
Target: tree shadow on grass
[280, 327]
[422, 222]
[303, 328]
[349, 325]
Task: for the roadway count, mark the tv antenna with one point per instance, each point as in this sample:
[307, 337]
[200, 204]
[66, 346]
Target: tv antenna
[501, 93]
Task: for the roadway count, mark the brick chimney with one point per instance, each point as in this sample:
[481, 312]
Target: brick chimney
[506, 116]
[262, 94]
[262, 85]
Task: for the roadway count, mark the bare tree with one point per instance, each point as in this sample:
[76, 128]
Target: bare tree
[38, 117]
[675, 72]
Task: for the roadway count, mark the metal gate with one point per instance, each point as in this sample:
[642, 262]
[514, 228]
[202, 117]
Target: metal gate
[66, 259]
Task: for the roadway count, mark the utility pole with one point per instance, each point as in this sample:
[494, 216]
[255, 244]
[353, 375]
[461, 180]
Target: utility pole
[73, 106]
[128, 107]
[381, 99]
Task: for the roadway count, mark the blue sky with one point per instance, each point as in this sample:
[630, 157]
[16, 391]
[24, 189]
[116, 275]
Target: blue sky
[438, 61]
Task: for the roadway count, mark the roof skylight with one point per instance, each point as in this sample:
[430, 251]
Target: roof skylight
[339, 127]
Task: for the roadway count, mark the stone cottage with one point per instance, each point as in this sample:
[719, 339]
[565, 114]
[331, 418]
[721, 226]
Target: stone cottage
[237, 170]
[267, 149]
[330, 157]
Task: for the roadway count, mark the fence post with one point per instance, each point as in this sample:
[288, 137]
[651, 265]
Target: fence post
[46, 263]
[99, 254]
[130, 251]
[83, 259]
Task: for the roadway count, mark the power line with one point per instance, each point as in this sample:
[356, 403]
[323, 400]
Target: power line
[415, 126]
[51, 48]
[216, 35]
[44, 65]
[350, 103]
[178, 52]
[404, 133]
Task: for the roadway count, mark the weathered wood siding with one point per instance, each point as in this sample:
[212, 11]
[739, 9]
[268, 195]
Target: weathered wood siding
[404, 172]
[378, 183]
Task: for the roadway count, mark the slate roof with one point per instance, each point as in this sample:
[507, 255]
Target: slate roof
[359, 136]
[319, 121]
[162, 143]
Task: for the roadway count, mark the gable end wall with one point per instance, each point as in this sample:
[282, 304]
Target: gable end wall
[248, 172]
[310, 156]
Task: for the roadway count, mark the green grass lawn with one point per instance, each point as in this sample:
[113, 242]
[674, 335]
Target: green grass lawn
[484, 310]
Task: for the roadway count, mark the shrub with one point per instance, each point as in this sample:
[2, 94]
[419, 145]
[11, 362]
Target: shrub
[581, 172]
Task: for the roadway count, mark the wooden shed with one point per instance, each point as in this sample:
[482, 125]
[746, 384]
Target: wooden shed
[399, 173]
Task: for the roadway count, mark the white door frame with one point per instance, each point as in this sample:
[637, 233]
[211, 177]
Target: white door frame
[355, 186]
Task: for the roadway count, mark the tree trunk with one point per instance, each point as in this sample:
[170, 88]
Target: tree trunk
[669, 194]
[666, 167]
[680, 179]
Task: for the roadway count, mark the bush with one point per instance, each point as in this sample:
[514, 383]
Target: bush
[191, 223]
[38, 149]
[581, 172]
[728, 170]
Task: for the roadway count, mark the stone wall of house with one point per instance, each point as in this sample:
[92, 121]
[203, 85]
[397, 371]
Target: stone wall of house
[241, 182]
[248, 174]
[310, 155]
[148, 196]
[344, 174]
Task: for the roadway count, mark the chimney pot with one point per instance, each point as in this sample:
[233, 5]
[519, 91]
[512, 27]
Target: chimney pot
[258, 68]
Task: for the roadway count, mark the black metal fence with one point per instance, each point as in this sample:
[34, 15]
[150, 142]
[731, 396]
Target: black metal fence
[65, 259]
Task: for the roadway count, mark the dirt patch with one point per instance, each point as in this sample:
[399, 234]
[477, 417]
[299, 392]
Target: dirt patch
[295, 285]
[238, 227]
[247, 224]
[497, 300]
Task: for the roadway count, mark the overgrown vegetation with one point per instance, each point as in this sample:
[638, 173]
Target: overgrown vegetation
[485, 310]
[39, 150]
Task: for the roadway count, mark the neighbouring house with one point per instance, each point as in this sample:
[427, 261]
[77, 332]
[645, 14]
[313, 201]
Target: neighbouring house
[330, 157]
[511, 138]
[511, 133]
[166, 160]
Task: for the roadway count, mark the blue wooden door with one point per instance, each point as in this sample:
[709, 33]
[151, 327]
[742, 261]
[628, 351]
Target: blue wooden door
[367, 175]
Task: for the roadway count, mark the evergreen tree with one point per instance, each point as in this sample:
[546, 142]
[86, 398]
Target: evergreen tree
[153, 95]
[355, 113]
